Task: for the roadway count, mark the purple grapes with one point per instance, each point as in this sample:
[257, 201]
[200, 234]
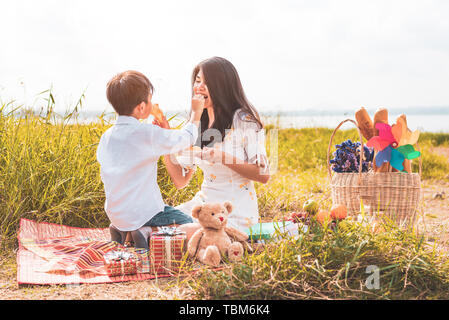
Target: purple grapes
[347, 157]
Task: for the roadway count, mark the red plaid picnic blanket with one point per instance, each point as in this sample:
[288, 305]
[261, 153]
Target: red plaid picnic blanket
[56, 254]
[70, 254]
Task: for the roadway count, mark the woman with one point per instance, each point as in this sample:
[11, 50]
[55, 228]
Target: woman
[232, 144]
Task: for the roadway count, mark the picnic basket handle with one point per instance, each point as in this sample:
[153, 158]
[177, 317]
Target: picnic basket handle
[330, 145]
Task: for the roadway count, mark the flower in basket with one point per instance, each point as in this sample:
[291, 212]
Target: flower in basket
[394, 144]
[347, 157]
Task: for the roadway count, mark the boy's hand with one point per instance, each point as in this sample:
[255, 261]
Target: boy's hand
[164, 124]
[198, 103]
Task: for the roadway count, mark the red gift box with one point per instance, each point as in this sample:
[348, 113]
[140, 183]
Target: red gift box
[119, 263]
[166, 252]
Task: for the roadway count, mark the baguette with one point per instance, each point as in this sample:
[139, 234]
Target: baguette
[364, 123]
[381, 115]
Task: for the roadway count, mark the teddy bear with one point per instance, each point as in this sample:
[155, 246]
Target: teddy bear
[214, 239]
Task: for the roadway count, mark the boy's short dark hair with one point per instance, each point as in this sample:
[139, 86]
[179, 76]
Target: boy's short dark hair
[126, 90]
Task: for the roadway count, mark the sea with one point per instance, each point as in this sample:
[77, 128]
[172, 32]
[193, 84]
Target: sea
[434, 120]
[436, 123]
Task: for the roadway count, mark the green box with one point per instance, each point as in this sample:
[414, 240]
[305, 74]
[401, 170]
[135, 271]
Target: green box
[266, 230]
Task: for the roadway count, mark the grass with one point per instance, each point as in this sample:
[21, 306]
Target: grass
[333, 265]
[48, 172]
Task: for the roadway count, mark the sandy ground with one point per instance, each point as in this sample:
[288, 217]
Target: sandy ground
[434, 218]
[157, 289]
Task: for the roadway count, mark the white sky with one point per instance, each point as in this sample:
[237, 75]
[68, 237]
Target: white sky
[289, 54]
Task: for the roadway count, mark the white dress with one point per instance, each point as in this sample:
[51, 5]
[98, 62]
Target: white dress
[245, 141]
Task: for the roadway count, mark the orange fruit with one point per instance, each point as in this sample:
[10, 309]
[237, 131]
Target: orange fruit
[323, 216]
[339, 212]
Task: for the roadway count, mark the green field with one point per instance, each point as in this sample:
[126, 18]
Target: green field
[48, 172]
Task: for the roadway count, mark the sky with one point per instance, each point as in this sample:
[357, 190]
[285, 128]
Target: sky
[290, 55]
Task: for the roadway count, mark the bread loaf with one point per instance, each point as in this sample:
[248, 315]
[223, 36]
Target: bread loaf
[364, 123]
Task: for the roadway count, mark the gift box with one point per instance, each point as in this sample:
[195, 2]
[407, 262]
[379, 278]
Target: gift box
[167, 246]
[121, 262]
[143, 264]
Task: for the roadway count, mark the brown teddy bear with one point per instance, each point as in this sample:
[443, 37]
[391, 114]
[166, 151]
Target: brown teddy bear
[214, 238]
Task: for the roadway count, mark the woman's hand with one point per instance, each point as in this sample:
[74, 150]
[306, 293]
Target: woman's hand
[213, 155]
[197, 108]
[250, 171]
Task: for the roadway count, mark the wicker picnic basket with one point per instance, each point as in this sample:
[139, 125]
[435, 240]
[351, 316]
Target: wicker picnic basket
[394, 194]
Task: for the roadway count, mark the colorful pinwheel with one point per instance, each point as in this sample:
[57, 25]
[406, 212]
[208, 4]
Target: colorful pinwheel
[394, 144]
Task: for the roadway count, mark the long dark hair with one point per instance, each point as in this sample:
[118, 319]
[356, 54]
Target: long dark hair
[226, 93]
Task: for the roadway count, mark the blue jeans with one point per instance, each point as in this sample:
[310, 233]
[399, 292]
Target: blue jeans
[167, 217]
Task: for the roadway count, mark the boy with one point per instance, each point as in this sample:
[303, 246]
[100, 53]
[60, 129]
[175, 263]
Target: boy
[128, 153]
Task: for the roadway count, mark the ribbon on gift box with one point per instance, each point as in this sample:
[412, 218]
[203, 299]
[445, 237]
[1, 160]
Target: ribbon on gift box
[120, 262]
[168, 231]
[143, 258]
[118, 255]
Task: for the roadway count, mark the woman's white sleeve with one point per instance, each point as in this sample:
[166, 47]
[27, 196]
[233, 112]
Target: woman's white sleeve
[254, 144]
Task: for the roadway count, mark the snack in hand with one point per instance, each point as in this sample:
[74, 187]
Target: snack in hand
[157, 113]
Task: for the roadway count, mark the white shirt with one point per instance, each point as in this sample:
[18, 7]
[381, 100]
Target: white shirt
[128, 153]
[244, 141]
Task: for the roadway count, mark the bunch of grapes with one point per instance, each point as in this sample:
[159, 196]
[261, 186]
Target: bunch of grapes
[301, 216]
[347, 157]
[307, 219]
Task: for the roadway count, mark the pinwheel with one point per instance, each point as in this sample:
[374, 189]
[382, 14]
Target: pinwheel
[394, 144]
